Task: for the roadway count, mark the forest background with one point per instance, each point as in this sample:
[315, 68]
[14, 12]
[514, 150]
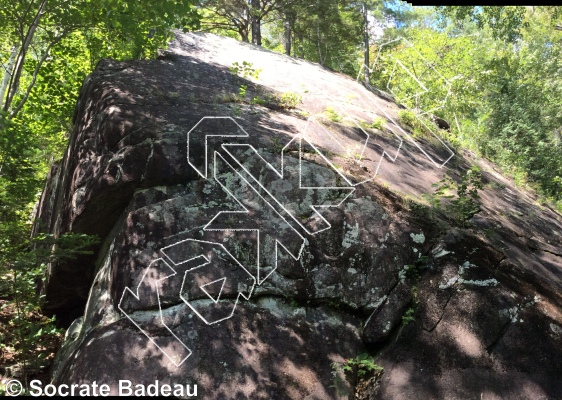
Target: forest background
[493, 73]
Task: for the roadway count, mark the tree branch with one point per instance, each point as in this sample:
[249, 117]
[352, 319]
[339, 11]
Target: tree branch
[28, 9]
[14, 79]
[16, 110]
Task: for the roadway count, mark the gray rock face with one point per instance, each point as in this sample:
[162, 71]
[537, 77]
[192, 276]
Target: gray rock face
[248, 249]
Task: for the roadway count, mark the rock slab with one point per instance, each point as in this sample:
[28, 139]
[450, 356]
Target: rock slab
[216, 269]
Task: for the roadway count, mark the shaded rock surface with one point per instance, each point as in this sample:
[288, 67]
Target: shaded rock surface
[180, 291]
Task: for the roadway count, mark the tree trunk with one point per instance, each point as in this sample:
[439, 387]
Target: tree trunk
[244, 34]
[318, 42]
[256, 31]
[301, 46]
[255, 17]
[287, 34]
[243, 25]
[366, 42]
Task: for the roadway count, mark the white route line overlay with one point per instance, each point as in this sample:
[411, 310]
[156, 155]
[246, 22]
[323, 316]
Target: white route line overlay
[175, 359]
[280, 174]
[240, 294]
[206, 148]
[246, 211]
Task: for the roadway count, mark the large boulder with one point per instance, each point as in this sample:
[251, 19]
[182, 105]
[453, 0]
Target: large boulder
[258, 234]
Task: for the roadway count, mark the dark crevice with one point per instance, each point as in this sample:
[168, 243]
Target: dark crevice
[535, 246]
[289, 301]
[441, 316]
[535, 249]
[502, 333]
[520, 307]
[330, 303]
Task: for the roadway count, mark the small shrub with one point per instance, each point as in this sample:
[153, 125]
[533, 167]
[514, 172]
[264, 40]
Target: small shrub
[259, 101]
[413, 270]
[408, 316]
[406, 117]
[245, 70]
[466, 202]
[332, 115]
[410, 119]
[242, 91]
[363, 363]
[289, 100]
[378, 123]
